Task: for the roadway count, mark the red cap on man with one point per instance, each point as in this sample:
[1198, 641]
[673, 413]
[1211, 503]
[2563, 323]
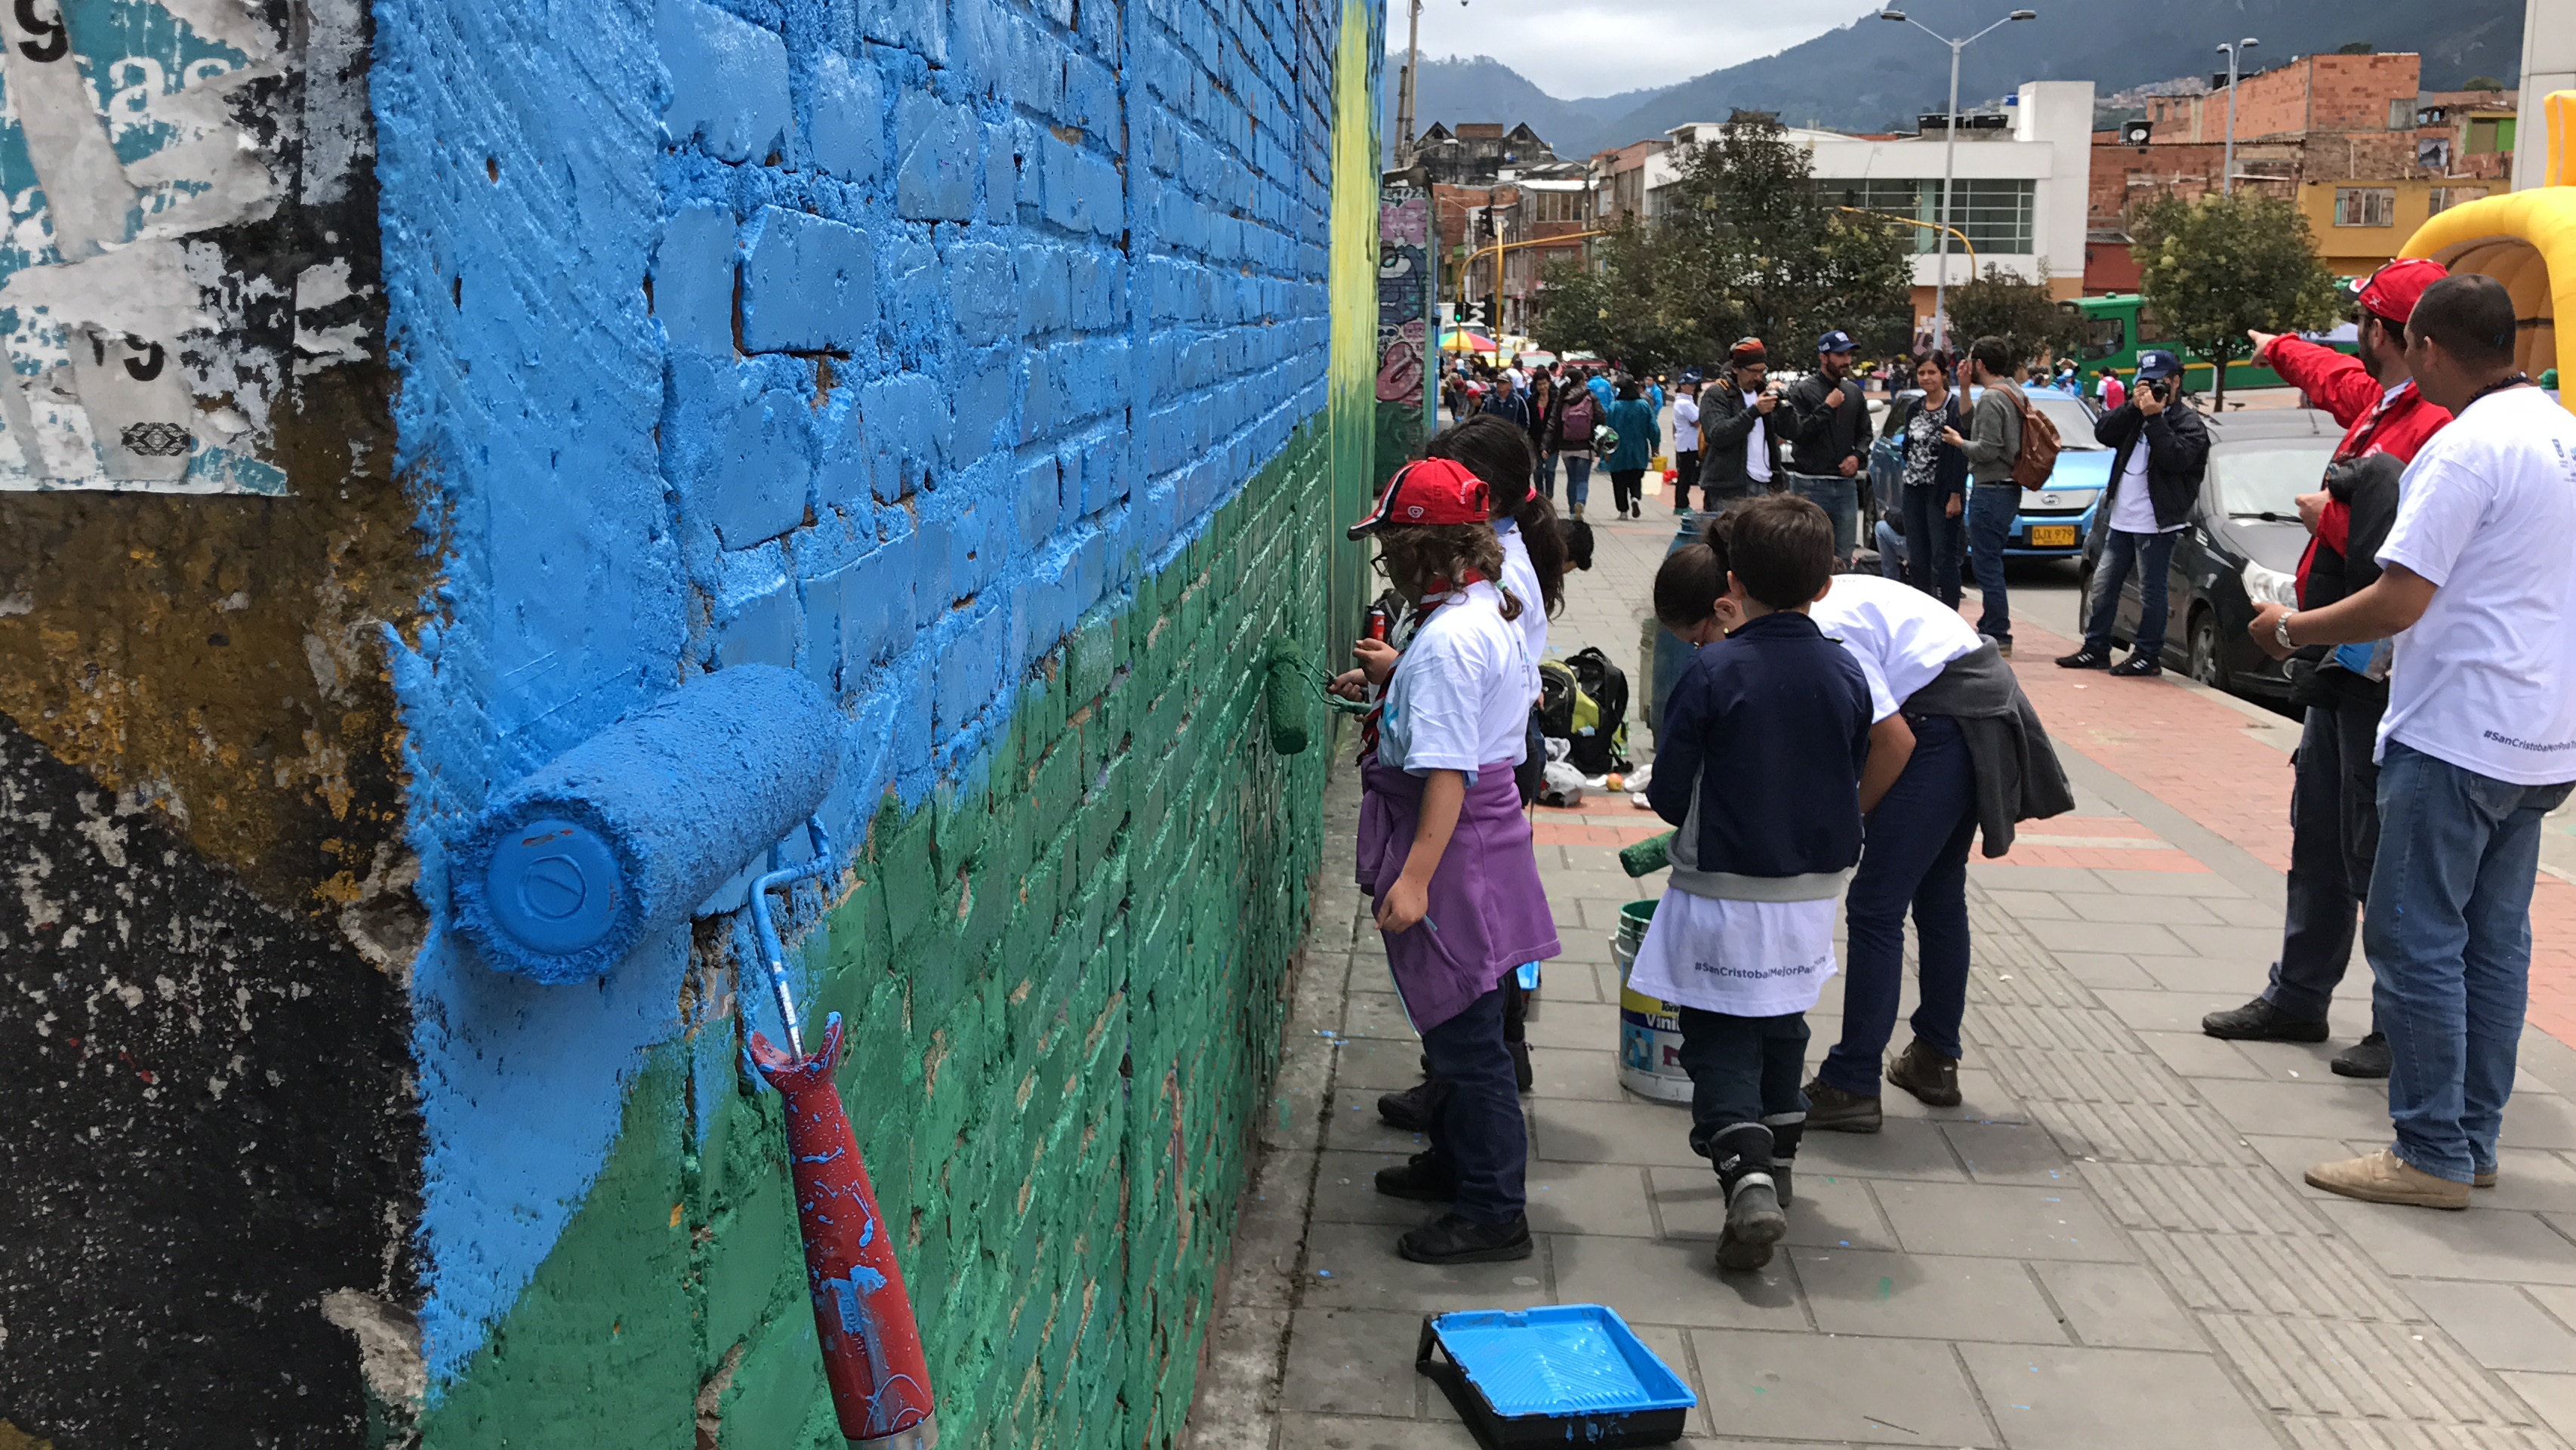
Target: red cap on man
[1429, 491]
[2393, 290]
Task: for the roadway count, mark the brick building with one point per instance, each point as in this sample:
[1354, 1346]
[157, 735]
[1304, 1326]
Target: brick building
[2365, 154]
[1621, 174]
[1475, 153]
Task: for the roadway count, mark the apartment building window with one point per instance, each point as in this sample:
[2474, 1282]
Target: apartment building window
[2444, 198]
[1559, 206]
[2401, 113]
[2365, 206]
[2486, 137]
[1995, 216]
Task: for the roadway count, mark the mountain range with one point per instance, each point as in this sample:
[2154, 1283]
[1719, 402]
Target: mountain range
[1872, 75]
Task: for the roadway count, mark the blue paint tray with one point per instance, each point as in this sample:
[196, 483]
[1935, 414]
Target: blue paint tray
[1567, 1374]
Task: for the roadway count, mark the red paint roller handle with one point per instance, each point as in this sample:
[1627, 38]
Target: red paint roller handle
[871, 1345]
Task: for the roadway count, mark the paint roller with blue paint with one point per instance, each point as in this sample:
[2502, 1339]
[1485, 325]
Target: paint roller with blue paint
[621, 837]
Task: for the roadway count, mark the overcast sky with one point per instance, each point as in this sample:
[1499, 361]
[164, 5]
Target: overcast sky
[1574, 48]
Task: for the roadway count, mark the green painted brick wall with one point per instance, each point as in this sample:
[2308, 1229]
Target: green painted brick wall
[1065, 984]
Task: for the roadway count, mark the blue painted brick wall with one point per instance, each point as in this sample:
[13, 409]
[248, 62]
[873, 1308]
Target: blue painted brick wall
[889, 340]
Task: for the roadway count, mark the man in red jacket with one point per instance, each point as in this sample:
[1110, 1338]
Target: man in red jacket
[2334, 797]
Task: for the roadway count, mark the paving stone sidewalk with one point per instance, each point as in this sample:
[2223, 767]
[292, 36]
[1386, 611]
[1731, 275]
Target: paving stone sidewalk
[2107, 1245]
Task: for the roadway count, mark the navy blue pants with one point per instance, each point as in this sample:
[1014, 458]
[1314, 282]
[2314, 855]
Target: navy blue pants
[1742, 1070]
[1914, 853]
[1478, 1141]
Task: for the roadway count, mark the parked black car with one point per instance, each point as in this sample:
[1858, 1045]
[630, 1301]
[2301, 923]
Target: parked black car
[2241, 547]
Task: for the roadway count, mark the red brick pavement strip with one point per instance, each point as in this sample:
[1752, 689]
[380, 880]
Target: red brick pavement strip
[2197, 755]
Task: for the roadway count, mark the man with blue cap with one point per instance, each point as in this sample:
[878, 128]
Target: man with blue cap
[1829, 439]
[2160, 454]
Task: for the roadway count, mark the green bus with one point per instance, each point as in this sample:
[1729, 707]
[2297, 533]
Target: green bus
[2117, 326]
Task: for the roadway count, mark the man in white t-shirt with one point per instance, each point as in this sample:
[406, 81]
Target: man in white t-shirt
[2477, 746]
[1918, 797]
[2161, 454]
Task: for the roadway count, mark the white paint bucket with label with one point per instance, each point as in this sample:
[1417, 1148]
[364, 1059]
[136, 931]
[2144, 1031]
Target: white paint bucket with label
[1650, 1029]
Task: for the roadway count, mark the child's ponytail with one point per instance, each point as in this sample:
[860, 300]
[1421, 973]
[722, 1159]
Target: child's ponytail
[1492, 449]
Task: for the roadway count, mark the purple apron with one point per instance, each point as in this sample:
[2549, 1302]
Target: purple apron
[1486, 898]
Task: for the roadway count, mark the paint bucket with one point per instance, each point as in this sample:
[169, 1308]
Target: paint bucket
[1650, 1029]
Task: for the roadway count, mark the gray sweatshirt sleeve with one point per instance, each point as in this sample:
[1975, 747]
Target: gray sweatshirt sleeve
[1994, 437]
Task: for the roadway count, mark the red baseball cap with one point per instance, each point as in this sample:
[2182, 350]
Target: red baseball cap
[2393, 290]
[1429, 491]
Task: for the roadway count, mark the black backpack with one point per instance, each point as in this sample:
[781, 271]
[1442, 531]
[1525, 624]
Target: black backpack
[1603, 748]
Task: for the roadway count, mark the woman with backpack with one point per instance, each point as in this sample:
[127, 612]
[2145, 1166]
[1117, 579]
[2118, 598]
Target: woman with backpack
[1569, 437]
[1633, 419]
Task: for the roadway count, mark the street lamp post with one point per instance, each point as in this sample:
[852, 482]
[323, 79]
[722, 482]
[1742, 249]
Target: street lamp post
[2227, 163]
[1949, 160]
[1404, 90]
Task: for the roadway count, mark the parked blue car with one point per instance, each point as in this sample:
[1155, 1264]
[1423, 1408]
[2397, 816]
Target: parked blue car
[2054, 521]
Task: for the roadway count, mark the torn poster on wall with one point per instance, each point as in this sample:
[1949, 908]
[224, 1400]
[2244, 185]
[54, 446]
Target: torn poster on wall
[150, 320]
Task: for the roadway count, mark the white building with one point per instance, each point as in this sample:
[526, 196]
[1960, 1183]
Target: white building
[2023, 184]
[2548, 64]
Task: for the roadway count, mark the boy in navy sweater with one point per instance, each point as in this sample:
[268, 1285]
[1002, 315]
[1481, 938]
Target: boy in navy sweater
[1759, 764]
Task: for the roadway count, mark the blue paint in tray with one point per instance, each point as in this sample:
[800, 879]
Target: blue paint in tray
[1552, 1372]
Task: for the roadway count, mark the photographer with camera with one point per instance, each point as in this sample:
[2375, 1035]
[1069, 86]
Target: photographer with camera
[2160, 455]
[2334, 794]
[1829, 442]
[1739, 448]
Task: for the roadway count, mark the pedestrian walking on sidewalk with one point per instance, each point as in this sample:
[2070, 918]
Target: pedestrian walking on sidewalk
[2110, 390]
[1992, 442]
[1829, 441]
[1640, 435]
[1445, 851]
[1505, 402]
[2477, 746]
[2160, 456]
[1743, 939]
[2334, 797]
[1934, 501]
[1739, 447]
[1953, 746]
[1569, 437]
[1685, 445]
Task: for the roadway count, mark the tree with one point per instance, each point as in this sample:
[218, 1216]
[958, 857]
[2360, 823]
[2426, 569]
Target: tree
[2482, 83]
[1746, 245]
[2214, 268]
[2001, 304]
[2356, 47]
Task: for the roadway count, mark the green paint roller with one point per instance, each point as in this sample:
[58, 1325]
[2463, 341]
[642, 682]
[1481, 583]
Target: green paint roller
[1648, 856]
[1284, 695]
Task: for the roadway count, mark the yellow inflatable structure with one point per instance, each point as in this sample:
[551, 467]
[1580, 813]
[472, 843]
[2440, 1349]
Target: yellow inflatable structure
[2527, 241]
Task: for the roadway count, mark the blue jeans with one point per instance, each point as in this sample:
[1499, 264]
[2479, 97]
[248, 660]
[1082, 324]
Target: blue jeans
[1478, 1140]
[1933, 543]
[2448, 934]
[1742, 1070]
[1991, 510]
[1839, 497]
[1891, 551]
[1914, 853]
[1578, 478]
[1547, 474]
[2153, 556]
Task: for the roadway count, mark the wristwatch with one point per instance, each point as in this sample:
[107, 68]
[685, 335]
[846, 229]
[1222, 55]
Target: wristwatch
[2281, 630]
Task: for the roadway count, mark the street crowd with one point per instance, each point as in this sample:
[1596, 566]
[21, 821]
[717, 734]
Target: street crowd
[1846, 735]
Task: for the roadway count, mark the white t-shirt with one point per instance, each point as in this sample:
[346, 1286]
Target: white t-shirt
[1902, 637]
[1521, 577]
[1461, 694]
[1744, 958]
[1757, 444]
[1686, 425]
[2133, 508]
[2486, 680]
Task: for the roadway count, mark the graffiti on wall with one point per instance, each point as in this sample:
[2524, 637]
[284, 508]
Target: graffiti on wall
[145, 350]
[1403, 296]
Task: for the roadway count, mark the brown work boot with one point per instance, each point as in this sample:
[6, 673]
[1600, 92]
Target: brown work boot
[2383, 1177]
[1831, 1110]
[1932, 1078]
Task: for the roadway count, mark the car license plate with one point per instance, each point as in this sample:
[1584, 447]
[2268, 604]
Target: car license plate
[2052, 536]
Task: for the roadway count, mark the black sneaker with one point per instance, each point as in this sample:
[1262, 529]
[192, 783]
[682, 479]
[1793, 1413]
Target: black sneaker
[1932, 1078]
[1831, 1110]
[1416, 1179]
[1410, 1109]
[2139, 665]
[2366, 1058]
[1454, 1240]
[2260, 1021]
[2085, 659]
[1754, 1223]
